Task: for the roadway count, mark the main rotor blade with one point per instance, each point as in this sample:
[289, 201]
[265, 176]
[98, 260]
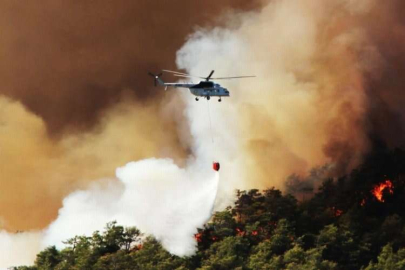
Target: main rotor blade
[174, 72]
[209, 76]
[237, 77]
[187, 76]
[181, 74]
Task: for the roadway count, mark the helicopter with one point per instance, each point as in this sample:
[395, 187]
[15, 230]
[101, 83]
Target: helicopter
[205, 89]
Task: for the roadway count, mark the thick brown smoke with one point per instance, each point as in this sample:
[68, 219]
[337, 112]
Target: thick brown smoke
[386, 87]
[347, 60]
[330, 78]
[37, 172]
[76, 101]
[68, 61]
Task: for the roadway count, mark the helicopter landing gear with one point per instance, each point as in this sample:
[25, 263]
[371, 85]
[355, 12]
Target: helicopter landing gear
[208, 97]
[196, 99]
[219, 100]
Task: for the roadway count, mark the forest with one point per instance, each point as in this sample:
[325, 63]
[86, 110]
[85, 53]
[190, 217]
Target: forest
[355, 221]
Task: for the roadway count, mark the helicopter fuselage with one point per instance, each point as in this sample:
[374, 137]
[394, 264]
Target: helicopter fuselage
[205, 89]
[217, 91]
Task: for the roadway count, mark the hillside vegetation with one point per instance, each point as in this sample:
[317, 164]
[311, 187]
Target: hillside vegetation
[354, 222]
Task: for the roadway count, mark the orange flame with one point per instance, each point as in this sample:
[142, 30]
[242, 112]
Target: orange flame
[239, 232]
[198, 237]
[378, 189]
[337, 212]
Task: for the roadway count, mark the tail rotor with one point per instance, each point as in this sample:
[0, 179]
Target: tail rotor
[155, 77]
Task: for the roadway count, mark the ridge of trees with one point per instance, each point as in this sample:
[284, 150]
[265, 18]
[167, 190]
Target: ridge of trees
[343, 226]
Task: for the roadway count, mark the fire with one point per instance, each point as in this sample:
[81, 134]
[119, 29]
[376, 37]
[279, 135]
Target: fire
[239, 232]
[379, 189]
[337, 212]
[198, 237]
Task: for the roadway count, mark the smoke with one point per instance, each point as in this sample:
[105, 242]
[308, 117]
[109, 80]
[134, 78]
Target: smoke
[36, 171]
[76, 101]
[21, 247]
[155, 195]
[75, 98]
[68, 62]
[297, 185]
[321, 90]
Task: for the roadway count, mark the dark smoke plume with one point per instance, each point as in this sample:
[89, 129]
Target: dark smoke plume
[68, 61]
[330, 78]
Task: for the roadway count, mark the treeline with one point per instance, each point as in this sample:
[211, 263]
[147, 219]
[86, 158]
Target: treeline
[354, 222]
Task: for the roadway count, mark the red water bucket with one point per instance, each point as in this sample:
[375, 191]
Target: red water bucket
[215, 166]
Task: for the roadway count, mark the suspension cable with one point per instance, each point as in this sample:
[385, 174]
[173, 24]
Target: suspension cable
[209, 116]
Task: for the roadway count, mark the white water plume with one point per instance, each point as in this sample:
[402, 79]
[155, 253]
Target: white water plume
[155, 195]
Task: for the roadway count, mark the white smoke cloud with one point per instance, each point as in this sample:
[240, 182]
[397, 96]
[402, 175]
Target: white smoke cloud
[155, 195]
[19, 248]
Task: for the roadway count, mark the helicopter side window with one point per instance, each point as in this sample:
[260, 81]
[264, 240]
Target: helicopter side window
[207, 84]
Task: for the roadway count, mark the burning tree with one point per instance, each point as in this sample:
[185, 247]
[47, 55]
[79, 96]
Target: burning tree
[378, 190]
